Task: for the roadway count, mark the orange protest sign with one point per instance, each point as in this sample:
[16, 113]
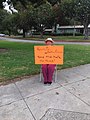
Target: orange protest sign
[48, 54]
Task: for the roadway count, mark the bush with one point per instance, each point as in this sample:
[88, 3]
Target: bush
[67, 34]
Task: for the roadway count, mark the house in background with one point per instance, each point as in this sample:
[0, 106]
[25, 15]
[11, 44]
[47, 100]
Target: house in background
[68, 30]
[60, 30]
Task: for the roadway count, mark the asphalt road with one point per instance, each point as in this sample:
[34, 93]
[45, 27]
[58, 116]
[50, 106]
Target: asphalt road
[38, 41]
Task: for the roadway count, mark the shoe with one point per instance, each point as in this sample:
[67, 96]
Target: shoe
[45, 82]
[49, 82]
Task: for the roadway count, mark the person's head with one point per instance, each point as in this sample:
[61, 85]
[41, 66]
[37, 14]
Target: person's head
[49, 41]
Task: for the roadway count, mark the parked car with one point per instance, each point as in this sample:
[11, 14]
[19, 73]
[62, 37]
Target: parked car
[2, 35]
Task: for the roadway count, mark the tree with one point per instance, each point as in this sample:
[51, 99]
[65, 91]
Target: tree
[36, 3]
[82, 11]
[54, 2]
[3, 15]
[78, 10]
[58, 16]
[9, 24]
[25, 18]
[68, 12]
[23, 2]
[1, 3]
[43, 17]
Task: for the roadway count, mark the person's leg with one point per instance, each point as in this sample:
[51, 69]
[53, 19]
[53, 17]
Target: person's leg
[44, 71]
[51, 68]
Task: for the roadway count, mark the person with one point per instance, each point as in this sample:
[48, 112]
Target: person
[48, 69]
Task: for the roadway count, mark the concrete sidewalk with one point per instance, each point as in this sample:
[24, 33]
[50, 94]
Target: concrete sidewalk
[67, 99]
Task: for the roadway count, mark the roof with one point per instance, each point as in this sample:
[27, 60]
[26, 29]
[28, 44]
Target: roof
[76, 26]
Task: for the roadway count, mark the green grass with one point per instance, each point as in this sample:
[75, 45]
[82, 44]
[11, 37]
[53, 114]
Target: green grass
[18, 59]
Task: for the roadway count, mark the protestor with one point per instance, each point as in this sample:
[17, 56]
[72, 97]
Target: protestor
[48, 69]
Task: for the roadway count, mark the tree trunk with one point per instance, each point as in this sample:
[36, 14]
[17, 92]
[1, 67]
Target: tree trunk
[55, 27]
[41, 34]
[85, 31]
[74, 29]
[24, 33]
[9, 31]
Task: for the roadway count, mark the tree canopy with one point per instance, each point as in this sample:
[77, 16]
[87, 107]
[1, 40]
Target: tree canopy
[45, 13]
[25, 2]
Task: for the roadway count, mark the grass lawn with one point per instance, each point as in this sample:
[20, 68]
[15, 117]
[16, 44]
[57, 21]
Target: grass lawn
[17, 59]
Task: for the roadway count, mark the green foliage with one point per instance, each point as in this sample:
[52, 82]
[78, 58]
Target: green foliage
[67, 6]
[54, 2]
[36, 3]
[82, 8]
[44, 15]
[78, 10]
[82, 12]
[9, 23]
[48, 13]
[1, 1]
[3, 15]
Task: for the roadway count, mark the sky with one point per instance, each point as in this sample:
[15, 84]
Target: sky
[6, 7]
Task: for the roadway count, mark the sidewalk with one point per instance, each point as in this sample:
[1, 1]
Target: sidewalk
[67, 99]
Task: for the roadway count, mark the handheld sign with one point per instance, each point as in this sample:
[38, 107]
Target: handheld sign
[48, 54]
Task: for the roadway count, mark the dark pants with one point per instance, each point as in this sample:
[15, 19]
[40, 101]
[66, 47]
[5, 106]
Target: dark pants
[48, 70]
